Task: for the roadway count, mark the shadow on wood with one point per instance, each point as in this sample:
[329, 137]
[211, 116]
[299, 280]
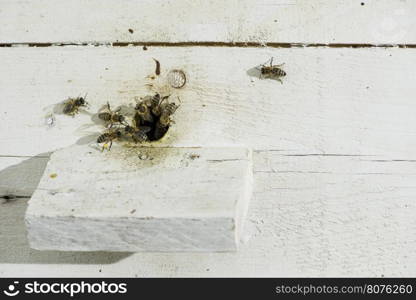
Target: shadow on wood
[23, 178]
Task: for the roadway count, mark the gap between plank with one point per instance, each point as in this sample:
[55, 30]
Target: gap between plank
[211, 44]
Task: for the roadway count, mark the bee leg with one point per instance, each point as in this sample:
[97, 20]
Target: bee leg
[102, 149]
[278, 79]
[111, 143]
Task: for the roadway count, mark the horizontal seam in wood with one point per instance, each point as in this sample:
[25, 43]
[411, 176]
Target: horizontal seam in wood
[211, 44]
[24, 156]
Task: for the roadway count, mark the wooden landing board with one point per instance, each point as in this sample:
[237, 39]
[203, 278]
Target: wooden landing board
[141, 199]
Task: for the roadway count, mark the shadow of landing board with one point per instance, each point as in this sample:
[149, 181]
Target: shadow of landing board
[141, 199]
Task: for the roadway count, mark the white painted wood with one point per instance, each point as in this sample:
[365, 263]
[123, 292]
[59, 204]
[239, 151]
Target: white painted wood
[295, 21]
[341, 101]
[334, 183]
[311, 215]
[141, 199]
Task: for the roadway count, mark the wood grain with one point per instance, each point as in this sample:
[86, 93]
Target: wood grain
[333, 101]
[265, 21]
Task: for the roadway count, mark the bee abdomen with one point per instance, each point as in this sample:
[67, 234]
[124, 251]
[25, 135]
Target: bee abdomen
[103, 138]
[104, 116]
[169, 109]
[279, 72]
[139, 136]
[68, 108]
[155, 100]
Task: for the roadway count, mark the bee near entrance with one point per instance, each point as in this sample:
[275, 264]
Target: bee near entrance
[150, 121]
[154, 116]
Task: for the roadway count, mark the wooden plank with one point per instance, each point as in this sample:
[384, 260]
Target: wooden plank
[272, 21]
[167, 199]
[333, 101]
[311, 215]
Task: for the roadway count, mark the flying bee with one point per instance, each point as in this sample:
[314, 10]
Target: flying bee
[72, 105]
[138, 134]
[108, 137]
[273, 71]
[112, 117]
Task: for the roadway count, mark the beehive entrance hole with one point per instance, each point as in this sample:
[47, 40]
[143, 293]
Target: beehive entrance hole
[156, 132]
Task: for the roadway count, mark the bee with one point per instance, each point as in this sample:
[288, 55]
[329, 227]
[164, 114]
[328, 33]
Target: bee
[157, 104]
[162, 126]
[164, 121]
[72, 105]
[168, 109]
[143, 112]
[273, 71]
[112, 116]
[138, 134]
[108, 137]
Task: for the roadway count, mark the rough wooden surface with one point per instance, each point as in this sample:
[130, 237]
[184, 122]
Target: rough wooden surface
[141, 199]
[265, 21]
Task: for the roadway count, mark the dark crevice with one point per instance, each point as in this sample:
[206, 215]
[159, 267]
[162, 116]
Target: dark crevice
[224, 160]
[11, 197]
[213, 44]
[28, 156]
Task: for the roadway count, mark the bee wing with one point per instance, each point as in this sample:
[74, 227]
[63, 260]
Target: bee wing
[62, 107]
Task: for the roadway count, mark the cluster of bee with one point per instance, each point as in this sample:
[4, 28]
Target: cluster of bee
[151, 121]
[152, 114]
